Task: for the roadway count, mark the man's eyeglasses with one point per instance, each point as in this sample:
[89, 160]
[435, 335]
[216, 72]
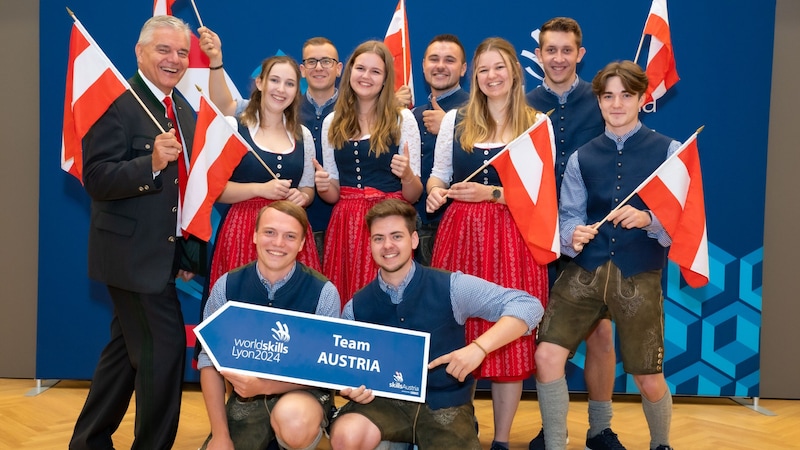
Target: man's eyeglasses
[326, 63]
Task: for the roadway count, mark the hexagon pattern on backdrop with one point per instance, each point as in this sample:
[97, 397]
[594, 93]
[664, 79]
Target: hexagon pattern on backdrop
[711, 340]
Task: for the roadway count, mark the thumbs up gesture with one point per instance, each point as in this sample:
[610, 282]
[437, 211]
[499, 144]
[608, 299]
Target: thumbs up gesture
[432, 118]
[322, 179]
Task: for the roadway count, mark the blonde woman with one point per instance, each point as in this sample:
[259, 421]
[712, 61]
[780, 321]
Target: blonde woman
[477, 234]
[370, 152]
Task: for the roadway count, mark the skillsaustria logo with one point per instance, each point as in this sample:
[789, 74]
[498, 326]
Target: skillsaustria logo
[397, 383]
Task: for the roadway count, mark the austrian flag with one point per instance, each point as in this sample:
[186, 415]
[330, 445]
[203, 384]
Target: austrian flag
[674, 193]
[93, 83]
[661, 71]
[397, 41]
[218, 148]
[526, 169]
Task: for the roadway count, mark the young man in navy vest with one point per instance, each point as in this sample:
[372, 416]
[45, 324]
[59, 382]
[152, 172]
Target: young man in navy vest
[443, 65]
[617, 260]
[408, 295]
[576, 120]
[261, 410]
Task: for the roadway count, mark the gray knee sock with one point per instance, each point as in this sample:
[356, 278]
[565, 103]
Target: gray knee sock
[659, 416]
[599, 417]
[553, 405]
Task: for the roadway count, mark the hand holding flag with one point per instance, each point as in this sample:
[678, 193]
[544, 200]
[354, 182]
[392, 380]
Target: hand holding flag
[674, 194]
[526, 169]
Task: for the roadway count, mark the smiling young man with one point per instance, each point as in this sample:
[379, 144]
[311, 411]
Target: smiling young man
[576, 120]
[261, 410]
[408, 295]
[443, 65]
[616, 266]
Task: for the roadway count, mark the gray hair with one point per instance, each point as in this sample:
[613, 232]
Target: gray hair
[155, 22]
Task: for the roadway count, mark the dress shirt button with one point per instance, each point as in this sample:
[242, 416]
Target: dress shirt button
[485, 170]
[358, 161]
[358, 177]
[486, 161]
[562, 141]
[280, 166]
[277, 174]
[620, 152]
[147, 146]
[562, 117]
[616, 200]
[358, 169]
[618, 187]
[355, 144]
[402, 319]
[359, 185]
[280, 157]
[613, 253]
[174, 209]
[485, 152]
[171, 238]
[562, 128]
[619, 164]
[355, 152]
[563, 106]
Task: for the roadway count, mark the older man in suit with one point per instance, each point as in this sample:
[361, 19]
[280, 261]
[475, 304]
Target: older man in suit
[131, 171]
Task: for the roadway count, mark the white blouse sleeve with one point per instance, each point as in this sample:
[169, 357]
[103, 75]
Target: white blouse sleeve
[328, 161]
[443, 152]
[309, 153]
[409, 133]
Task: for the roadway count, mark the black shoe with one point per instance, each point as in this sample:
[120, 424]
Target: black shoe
[605, 440]
[537, 443]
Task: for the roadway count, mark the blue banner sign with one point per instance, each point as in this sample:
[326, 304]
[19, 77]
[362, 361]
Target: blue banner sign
[317, 351]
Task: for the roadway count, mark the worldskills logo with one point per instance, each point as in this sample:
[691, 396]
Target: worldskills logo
[535, 69]
[281, 332]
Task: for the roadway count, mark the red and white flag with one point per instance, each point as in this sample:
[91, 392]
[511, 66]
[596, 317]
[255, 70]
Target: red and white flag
[198, 72]
[674, 193]
[526, 169]
[660, 69]
[162, 7]
[397, 41]
[218, 149]
[93, 83]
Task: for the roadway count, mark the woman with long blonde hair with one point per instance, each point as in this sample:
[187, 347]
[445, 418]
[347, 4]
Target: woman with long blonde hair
[370, 152]
[477, 234]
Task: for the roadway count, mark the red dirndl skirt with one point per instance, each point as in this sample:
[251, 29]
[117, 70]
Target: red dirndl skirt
[482, 239]
[347, 259]
[234, 246]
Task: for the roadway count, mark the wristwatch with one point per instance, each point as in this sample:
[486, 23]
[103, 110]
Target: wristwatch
[496, 193]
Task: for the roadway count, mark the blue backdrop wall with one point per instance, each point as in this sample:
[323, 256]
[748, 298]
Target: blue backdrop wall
[724, 55]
